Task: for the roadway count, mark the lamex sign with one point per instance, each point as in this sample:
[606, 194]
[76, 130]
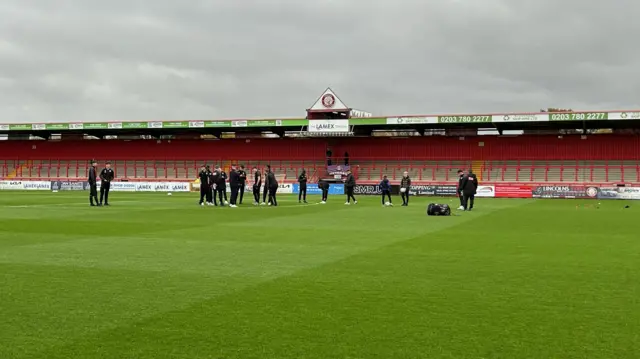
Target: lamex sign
[149, 186]
[145, 187]
[328, 125]
[162, 187]
[168, 187]
[179, 187]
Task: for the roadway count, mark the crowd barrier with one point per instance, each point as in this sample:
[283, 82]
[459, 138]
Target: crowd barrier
[486, 191]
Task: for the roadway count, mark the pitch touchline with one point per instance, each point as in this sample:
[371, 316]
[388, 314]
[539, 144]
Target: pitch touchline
[78, 204]
[147, 202]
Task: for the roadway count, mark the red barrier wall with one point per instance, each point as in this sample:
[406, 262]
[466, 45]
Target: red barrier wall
[597, 147]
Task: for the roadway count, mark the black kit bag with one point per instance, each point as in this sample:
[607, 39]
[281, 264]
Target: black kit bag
[438, 210]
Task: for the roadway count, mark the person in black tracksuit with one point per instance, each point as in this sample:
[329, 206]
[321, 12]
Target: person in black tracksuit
[265, 190]
[272, 184]
[243, 181]
[224, 177]
[234, 183]
[405, 183]
[210, 182]
[349, 184]
[324, 186]
[302, 179]
[257, 182]
[213, 185]
[385, 187]
[460, 177]
[93, 184]
[204, 184]
[469, 187]
[106, 176]
[220, 186]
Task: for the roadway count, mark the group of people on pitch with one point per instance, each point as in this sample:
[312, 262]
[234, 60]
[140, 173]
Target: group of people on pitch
[106, 176]
[216, 181]
[323, 185]
[213, 186]
[467, 187]
[405, 188]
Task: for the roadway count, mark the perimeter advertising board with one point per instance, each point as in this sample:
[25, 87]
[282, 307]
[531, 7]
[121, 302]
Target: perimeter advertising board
[628, 193]
[312, 188]
[25, 185]
[561, 192]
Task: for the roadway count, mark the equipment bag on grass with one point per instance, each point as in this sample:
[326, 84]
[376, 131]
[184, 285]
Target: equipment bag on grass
[438, 210]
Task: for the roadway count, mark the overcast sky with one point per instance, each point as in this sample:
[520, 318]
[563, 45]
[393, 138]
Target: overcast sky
[88, 60]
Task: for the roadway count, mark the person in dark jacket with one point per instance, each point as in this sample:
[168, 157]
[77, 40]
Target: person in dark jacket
[213, 185]
[106, 176]
[220, 186]
[469, 187]
[385, 187]
[234, 183]
[204, 184]
[273, 187]
[210, 189]
[349, 184]
[324, 187]
[265, 190]
[223, 182]
[405, 188]
[257, 182]
[459, 190]
[93, 184]
[302, 180]
[208, 186]
[243, 181]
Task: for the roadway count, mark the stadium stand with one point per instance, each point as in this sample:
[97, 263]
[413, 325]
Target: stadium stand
[521, 159]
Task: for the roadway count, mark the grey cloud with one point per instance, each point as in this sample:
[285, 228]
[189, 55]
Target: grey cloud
[138, 60]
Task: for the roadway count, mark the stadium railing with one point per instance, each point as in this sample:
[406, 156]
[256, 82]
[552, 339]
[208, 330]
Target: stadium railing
[367, 170]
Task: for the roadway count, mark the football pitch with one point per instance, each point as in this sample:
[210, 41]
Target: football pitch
[156, 276]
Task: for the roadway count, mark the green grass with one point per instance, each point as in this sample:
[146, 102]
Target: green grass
[159, 277]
